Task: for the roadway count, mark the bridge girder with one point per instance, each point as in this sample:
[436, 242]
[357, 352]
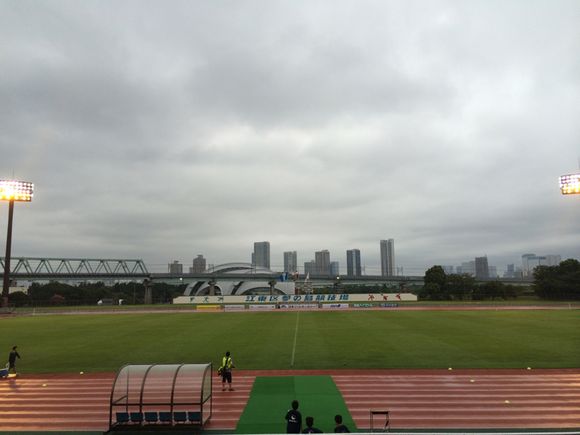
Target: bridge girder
[75, 268]
[44, 268]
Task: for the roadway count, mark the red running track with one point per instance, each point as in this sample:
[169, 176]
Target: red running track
[416, 399]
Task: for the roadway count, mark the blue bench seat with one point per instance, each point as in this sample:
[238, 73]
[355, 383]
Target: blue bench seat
[165, 417]
[180, 416]
[136, 417]
[194, 417]
[151, 417]
[122, 417]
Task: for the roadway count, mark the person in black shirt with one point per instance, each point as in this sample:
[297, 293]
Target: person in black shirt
[293, 419]
[340, 428]
[309, 426]
[12, 359]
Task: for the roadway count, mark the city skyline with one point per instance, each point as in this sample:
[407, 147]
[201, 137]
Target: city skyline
[174, 129]
[327, 263]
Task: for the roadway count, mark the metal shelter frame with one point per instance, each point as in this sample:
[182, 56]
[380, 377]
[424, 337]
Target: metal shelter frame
[161, 396]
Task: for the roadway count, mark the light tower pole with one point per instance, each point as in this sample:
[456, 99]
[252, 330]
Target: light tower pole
[11, 191]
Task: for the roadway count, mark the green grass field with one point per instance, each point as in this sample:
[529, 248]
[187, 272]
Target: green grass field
[305, 340]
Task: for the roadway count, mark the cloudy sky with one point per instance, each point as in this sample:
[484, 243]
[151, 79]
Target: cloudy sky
[165, 129]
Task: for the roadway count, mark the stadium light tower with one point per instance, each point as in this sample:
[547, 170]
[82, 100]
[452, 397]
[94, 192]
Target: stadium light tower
[570, 184]
[12, 191]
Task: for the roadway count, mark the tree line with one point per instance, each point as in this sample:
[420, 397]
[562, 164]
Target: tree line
[57, 293]
[561, 282]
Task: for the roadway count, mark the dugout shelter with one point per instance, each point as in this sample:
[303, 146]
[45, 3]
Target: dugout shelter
[161, 396]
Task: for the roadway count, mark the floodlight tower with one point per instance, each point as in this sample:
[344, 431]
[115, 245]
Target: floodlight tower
[11, 191]
[570, 184]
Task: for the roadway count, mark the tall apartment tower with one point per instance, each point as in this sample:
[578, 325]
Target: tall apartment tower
[310, 268]
[353, 267]
[334, 268]
[261, 255]
[175, 268]
[322, 260]
[290, 262]
[388, 257]
[199, 264]
[481, 267]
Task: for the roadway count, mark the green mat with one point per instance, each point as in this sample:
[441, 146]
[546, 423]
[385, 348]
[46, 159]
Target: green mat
[271, 398]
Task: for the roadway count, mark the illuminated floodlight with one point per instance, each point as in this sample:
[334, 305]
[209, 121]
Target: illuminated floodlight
[570, 184]
[12, 190]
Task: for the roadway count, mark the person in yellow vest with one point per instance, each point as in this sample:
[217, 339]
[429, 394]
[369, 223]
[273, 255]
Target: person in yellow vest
[226, 371]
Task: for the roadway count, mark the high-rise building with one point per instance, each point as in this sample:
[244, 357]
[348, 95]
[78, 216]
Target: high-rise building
[481, 267]
[334, 268]
[493, 272]
[388, 257]
[531, 261]
[448, 270]
[466, 268]
[510, 271]
[261, 255]
[175, 268]
[322, 260]
[310, 268]
[353, 267]
[290, 262]
[527, 263]
[199, 265]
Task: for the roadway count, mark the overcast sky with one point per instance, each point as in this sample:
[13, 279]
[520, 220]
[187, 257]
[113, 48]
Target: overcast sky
[165, 129]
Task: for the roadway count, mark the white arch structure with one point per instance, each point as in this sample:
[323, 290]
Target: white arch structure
[253, 285]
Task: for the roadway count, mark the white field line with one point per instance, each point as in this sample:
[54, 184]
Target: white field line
[295, 339]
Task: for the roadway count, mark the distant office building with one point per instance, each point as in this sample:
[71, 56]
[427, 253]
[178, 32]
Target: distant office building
[290, 262]
[322, 260]
[510, 271]
[526, 259]
[388, 257]
[448, 269]
[310, 268]
[334, 268]
[466, 268]
[261, 255]
[531, 261]
[493, 272]
[175, 268]
[199, 265]
[353, 266]
[481, 267]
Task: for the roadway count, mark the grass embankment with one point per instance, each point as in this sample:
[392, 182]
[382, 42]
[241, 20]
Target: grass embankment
[325, 340]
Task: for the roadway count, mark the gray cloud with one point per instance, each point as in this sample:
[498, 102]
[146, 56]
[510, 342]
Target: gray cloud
[160, 131]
